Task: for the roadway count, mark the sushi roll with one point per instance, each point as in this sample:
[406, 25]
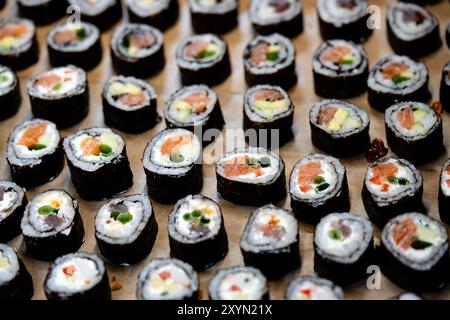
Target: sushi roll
[213, 16]
[343, 248]
[10, 97]
[34, 153]
[340, 69]
[173, 166]
[344, 19]
[195, 107]
[414, 131]
[13, 201]
[313, 288]
[203, 59]
[126, 228]
[167, 279]
[18, 45]
[391, 187]
[414, 252]
[270, 241]
[52, 225]
[444, 93]
[339, 128]
[318, 186]
[270, 60]
[77, 44]
[103, 13]
[252, 177]
[238, 283]
[412, 30]
[98, 163]
[161, 14]
[268, 110]
[282, 16]
[42, 11]
[15, 280]
[137, 50]
[77, 276]
[60, 95]
[129, 104]
[197, 232]
[444, 193]
[397, 78]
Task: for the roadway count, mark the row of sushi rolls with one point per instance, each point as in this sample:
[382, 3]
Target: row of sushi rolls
[413, 250]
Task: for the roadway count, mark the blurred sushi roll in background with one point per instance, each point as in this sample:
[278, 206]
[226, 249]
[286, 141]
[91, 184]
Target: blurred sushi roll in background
[412, 30]
[129, 104]
[13, 201]
[414, 252]
[77, 276]
[10, 97]
[391, 187]
[395, 79]
[270, 241]
[167, 279]
[16, 283]
[238, 283]
[203, 59]
[340, 69]
[103, 13]
[313, 288]
[318, 185]
[407, 296]
[279, 16]
[213, 16]
[444, 93]
[60, 95]
[161, 14]
[444, 193]
[52, 225]
[74, 43]
[339, 128]
[137, 50]
[42, 11]
[270, 60]
[414, 131]
[173, 166]
[34, 153]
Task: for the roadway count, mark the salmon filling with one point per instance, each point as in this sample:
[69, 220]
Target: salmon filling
[272, 228]
[30, 137]
[385, 175]
[338, 55]
[135, 42]
[413, 16]
[409, 234]
[412, 117]
[346, 4]
[69, 36]
[245, 165]
[280, 5]
[173, 145]
[397, 72]
[200, 49]
[310, 177]
[264, 52]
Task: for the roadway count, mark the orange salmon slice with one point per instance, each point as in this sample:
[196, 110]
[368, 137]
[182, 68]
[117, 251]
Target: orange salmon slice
[90, 146]
[406, 118]
[174, 143]
[326, 115]
[306, 174]
[193, 49]
[336, 54]
[382, 171]
[403, 233]
[258, 53]
[132, 99]
[394, 69]
[48, 81]
[239, 167]
[198, 100]
[65, 36]
[31, 135]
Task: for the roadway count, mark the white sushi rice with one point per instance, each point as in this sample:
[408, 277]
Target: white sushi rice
[212, 6]
[146, 8]
[127, 84]
[330, 12]
[250, 286]
[90, 38]
[263, 13]
[196, 64]
[9, 264]
[93, 8]
[311, 288]
[445, 176]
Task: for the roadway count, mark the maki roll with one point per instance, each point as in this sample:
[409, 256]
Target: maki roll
[77, 276]
[42, 11]
[129, 104]
[270, 60]
[414, 252]
[103, 13]
[444, 93]
[197, 232]
[313, 288]
[268, 110]
[195, 108]
[252, 177]
[98, 163]
[391, 187]
[137, 50]
[412, 30]
[343, 248]
[77, 44]
[397, 78]
[172, 164]
[216, 16]
[270, 241]
[161, 14]
[126, 228]
[444, 193]
[52, 225]
[203, 59]
[339, 128]
[15, 280]
[60, 95]
[318, 186]
[13, 201]
[34, 153]
[10, 98]
[280, 16]
[344, 19]
[18, 44]
[340, 69]
[167, 279]
[414, 131]
[238, 283]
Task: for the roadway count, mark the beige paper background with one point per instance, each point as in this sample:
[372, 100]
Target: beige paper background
[230, 94]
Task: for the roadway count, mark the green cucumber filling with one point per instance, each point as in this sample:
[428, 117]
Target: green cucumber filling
[122, 217]
[263, 162]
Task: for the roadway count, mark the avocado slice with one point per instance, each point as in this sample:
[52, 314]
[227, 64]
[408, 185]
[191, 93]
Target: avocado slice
[419, 115]
[427, 234]
[109, 140]
[338, 120]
